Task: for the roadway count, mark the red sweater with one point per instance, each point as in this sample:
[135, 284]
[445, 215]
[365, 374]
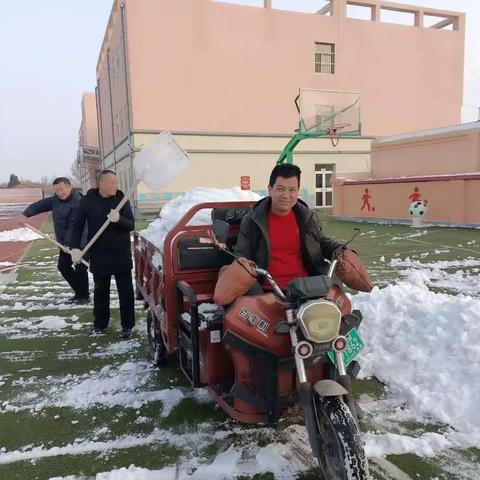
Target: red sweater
[285, 262]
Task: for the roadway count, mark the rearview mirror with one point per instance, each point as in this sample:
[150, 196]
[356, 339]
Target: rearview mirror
[221, 229]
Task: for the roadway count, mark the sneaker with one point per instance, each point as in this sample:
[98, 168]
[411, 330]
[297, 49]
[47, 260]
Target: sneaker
[96, 330]
[126, 333]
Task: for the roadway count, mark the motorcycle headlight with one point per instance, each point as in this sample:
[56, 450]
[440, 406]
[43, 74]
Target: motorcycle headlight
[319, 320]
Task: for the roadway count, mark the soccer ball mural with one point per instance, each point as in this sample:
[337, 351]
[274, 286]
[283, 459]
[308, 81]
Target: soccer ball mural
[418, 209]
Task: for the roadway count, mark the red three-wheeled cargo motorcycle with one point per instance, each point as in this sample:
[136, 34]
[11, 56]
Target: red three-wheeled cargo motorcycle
[264, 353]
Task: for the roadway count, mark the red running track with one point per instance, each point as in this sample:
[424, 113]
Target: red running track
[13, 252]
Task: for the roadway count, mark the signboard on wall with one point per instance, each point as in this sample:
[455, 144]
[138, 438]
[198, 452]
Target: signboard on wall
[245, 182]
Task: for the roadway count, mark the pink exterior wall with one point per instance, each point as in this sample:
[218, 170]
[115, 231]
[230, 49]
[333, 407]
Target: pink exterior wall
[452, 200]
[445, 152]
[111, 84]
[444, 164]
[88, 158]
[88, 134]
[199, 65]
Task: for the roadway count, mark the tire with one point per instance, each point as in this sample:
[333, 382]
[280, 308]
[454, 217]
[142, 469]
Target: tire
[158, 351]
[342, 453]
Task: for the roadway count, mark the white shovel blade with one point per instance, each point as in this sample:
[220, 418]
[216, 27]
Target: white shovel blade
[160, 161]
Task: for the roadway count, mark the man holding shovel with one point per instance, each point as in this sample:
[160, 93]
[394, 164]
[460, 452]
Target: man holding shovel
[63, 206]
[110, 254]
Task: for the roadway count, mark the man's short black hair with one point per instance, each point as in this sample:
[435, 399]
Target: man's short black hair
[61, 180]
[105, 172]
[284, 170]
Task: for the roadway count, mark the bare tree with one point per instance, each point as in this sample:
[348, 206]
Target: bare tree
[75, 172]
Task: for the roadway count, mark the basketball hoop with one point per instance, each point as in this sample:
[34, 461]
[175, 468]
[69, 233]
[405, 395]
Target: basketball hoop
[332, 132]
[322, 114]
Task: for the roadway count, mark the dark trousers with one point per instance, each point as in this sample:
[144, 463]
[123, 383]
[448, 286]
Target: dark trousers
[101, 299]
[75, 275]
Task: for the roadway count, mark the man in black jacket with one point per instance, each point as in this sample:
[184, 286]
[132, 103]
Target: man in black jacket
[111, 253]
[282, 235]
[63, 205]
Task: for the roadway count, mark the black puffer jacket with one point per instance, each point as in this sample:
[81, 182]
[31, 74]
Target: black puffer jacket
[111, 253]
[63, 212]
[253, 241]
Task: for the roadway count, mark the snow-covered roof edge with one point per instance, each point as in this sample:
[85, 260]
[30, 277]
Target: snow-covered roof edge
[463, 127]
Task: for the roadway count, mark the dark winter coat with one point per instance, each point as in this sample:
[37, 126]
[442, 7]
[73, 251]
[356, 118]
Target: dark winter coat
[63, 212]
[111, 253]
[253, 241]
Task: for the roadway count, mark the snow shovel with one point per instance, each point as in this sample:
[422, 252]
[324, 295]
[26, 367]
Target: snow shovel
[48, 237]
[159, 162]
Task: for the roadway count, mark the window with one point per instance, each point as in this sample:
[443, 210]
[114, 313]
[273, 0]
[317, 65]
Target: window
[323, 185]
[324, 57]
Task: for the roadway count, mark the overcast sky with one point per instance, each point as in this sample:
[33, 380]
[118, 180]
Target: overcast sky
[48, 53]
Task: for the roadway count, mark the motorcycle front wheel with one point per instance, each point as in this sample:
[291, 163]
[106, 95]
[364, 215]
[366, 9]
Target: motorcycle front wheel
[342, 454]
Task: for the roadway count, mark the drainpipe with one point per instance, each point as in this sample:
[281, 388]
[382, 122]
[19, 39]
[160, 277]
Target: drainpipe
[99, 122]
[131, 147]
[111, 111]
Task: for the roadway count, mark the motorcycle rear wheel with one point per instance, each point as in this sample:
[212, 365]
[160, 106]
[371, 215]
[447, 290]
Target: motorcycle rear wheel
[158, 351]
[342, 453]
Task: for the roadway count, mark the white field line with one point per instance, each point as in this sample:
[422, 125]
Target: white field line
[450, 247]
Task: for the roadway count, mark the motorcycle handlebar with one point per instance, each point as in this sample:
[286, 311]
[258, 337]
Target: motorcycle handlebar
[271, 281]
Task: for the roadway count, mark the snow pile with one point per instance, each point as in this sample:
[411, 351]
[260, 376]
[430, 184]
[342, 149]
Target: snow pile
[175, 209]
[19, 235]
[426, 347]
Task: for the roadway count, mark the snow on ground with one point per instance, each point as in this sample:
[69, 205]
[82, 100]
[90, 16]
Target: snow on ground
[175, 209]
[248, 459]
[425, 346]
[112, 385]
[19, 235]
[37, 325]
[455, 275]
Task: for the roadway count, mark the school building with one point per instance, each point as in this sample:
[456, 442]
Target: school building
[222, 78]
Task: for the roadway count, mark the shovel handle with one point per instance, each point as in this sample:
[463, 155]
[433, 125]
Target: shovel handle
[48, 237]
[123, 201]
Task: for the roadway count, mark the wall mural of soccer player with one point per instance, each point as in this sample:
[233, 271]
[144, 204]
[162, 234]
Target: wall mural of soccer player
[415, 196]
[366, 197]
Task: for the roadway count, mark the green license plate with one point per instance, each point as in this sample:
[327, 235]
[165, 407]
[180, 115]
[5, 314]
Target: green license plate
[354, 347]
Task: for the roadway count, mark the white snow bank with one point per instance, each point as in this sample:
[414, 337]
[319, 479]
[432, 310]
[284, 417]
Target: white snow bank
[18, 235]
[175, 209]
[426, 347]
